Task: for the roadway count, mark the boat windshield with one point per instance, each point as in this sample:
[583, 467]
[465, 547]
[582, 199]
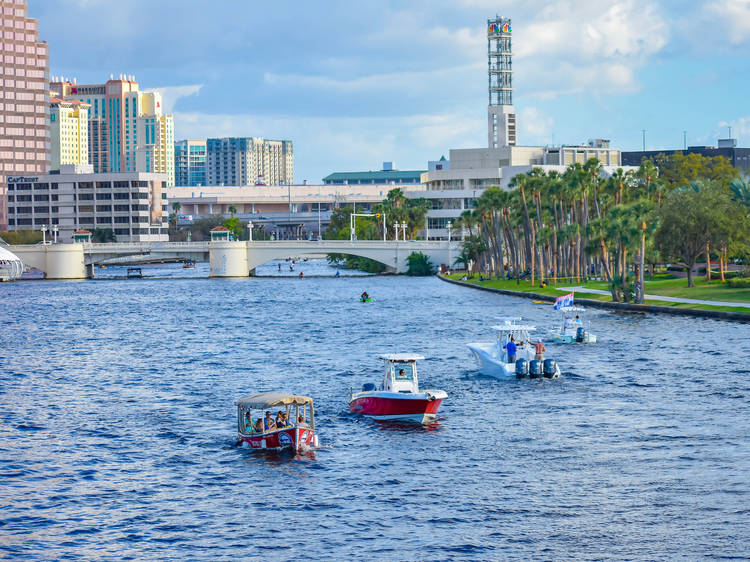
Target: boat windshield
[402, 372]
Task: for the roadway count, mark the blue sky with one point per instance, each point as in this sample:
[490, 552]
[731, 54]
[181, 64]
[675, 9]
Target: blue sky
[357, 83]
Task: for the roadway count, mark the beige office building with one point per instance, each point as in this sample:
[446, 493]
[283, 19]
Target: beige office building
[68, 132]
[132, 204]
[24, 102]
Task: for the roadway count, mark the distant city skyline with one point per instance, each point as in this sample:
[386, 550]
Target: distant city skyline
[406, 81]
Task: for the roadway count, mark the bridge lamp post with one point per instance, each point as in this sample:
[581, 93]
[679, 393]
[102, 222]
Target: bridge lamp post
[450, 257]
[403, 226]
[396, 226]
[55, 228]
[250, 230]
[44, 234]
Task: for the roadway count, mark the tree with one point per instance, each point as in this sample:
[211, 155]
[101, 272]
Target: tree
[18, 237]
[689, 220]
[678, 170]
[419, 264]
[103, 235]
[176, 206]
[232, 210]
[235, 226]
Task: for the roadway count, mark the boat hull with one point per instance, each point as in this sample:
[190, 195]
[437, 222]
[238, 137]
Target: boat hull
[288, 438]
[420, 408]
[491, 365]
[571, 338]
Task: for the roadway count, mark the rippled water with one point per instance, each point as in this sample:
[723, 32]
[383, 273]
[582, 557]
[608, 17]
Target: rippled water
[118, 424]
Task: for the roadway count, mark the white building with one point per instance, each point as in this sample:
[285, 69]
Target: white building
[470, 171]
[132, 204]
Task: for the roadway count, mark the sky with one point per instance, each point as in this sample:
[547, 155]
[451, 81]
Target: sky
[354, 84]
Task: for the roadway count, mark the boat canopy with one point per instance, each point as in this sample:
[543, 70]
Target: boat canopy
[572, 309]
[514, 328]
[271, 399]
[401, 357]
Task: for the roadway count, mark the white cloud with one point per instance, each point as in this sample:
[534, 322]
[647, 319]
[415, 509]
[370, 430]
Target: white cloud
[536, 127]
[740, 128]
[170, 94]
[587, 45]
[326, 144]
[734, 15]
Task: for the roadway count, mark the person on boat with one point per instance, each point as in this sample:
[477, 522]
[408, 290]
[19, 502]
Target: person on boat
[280, 419]
[539, 350]
[364, 296]
[338, 273]
[249, 424]
[279, 267]
[301, 420]
[301, 274]
[510, 349]
[268, 423]
[578, 320]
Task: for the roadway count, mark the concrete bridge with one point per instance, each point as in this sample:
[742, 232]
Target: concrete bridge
[226, 258]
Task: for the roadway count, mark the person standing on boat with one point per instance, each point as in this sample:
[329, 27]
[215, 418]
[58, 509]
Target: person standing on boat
[510, 349]
[539, 349]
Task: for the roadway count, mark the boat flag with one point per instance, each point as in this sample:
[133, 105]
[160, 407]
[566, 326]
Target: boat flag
[563, 301]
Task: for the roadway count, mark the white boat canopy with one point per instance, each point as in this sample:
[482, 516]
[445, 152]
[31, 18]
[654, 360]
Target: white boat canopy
[514, 328]
[271, 400]
[572, 309]
[11, 266]
[401, 357]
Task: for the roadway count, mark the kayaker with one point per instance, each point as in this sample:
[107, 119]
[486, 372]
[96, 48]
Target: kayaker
[364, 296]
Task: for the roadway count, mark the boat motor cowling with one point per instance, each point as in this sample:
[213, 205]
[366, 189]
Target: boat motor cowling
[522, 368]
[367, 387]
[535, 368]
[550, 368]
[580, 334]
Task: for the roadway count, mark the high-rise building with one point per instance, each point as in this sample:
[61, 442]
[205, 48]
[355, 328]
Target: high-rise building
[127, 130]
[190, 162]
[68, 132]
[24, 102]
[500, 112]
[249, 161]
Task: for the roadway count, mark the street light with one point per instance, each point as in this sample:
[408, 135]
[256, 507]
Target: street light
[403, 226]
[250, 230]
[450, 257]
[55, 228]
[44, 234]
[396, 226]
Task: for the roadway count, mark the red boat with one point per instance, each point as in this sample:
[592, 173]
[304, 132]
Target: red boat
[398, 397]
[259, 430]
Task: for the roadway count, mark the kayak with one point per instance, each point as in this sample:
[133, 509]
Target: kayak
[368, 299]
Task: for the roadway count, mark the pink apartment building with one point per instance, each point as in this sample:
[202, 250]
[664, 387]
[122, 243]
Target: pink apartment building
[24, 99]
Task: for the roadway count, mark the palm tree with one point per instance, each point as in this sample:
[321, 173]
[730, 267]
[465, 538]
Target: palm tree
[176, 206]
[232, 210]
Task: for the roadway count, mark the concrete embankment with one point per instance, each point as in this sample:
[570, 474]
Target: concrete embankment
[621, 306]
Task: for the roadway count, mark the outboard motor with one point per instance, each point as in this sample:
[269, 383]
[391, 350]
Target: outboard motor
[368, 386]
[580, 334]
[535, 368]
[522, 368]
[550, 368]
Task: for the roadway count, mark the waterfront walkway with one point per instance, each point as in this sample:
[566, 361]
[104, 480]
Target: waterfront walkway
[580, 289]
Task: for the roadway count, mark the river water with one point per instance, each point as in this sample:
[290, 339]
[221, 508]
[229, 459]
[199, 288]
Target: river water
[119, 423]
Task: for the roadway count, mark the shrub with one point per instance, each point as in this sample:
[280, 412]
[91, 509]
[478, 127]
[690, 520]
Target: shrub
[739, 283]
[419, 264]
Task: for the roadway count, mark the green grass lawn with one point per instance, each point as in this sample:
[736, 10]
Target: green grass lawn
[666, 285]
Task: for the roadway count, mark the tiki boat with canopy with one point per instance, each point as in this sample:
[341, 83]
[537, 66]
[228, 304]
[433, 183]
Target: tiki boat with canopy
[257, 418]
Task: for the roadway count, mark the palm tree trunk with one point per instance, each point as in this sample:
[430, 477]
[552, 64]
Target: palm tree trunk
[708, 263]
